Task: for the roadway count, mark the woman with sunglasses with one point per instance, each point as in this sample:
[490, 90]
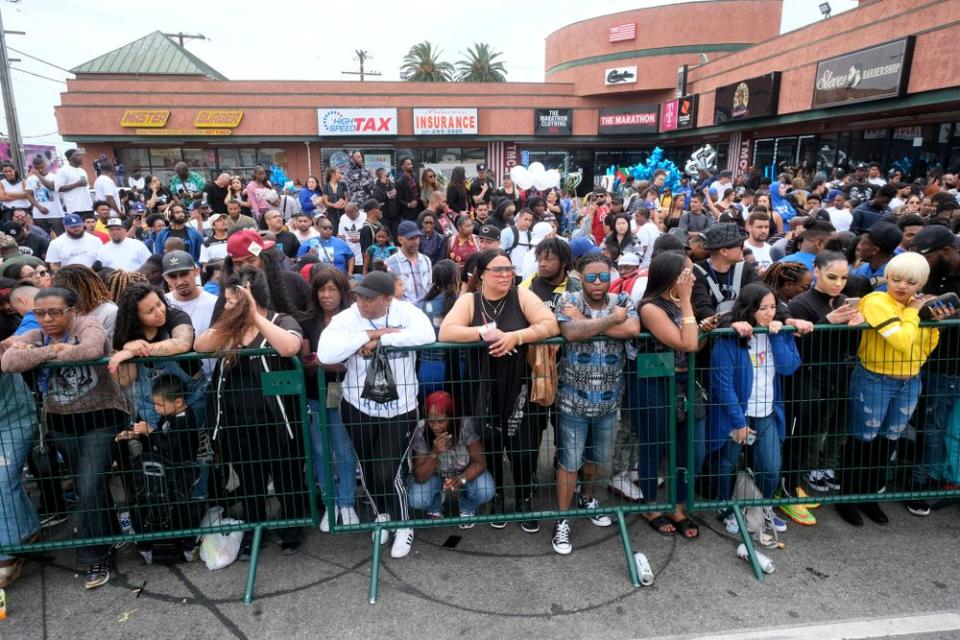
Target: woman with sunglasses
[428, 184]
[504, 319]
[38, 276]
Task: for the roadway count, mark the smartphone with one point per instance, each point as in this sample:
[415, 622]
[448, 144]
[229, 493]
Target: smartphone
[946, 300]
[852, 302]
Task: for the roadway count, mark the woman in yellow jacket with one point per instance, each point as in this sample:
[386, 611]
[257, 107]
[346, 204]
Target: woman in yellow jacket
[885, 385]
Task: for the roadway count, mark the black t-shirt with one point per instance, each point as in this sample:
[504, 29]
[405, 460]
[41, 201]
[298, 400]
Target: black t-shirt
[34, 245]
[289, 243]
[175, 318]
[177, 233]
[544, 289]
[215, 197]
[477, 185]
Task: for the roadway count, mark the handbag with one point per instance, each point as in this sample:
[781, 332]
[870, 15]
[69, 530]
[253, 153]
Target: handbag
[542, 359]
[379, 387]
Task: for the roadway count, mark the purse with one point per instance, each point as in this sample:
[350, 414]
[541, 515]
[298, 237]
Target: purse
[379, 387]
[542, 359]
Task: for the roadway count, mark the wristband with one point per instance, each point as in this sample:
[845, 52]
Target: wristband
[519, 338]
[689, 320]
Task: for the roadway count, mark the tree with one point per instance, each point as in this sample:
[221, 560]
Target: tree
[422, 64]
[481, 65]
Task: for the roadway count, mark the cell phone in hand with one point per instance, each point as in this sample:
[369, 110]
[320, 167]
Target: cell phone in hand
[947, 300]
[852, 302]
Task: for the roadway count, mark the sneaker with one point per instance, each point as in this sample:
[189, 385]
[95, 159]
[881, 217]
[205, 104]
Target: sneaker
[325, 521]
[349, 517]
[434, 515]
[147, 556]
[496, 507]
[801, 493]
[773, 521]
[467, 514]
[799, 514]
[919, 507]
[189, 555]
[402, 543]
[384, 533]
[831, 480]
[730, 522]
[53, 520]
[817, 480]
[622, 485]
[529, 526]
[561, 538]
[290, 547]
[97, 575]
[599, 520]
[634, 476]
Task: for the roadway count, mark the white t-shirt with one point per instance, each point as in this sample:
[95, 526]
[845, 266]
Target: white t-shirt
[104, 186]
[12, 187]
[76, 199]
[200, 309]
[128, 255]
[303, 237]
[646, 236]
[760, 404]
[69, 250]
[215, 250]
[349, 230]
[877, 181]
[761, 253]
[841, 219]
[49, 199]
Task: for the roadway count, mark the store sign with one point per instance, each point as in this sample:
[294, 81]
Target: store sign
[218, 119]
[681, 89]
[743, 155]
[679, 114]
[552, 122]
[511, 154]
[747, 99]
[620, 75]
[356, 122]
[445, 122]
[869, 74]
[179, 133]
[636, 119]
[623, 32]
[144, 118]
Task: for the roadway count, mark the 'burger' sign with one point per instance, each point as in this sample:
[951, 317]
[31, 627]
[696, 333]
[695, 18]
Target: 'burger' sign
[874, 73]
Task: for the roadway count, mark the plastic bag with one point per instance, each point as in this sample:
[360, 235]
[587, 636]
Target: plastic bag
[219, 550]
[379, 387]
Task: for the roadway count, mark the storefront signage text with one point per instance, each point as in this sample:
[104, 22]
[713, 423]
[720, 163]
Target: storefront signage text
[183, 132]
[552, 122]
[679, 114]
[144, 118]
[869, 74]
[444, 122]
[635, 119]
[357, 122]
[747, 99]
[620, 75]
[218, 119]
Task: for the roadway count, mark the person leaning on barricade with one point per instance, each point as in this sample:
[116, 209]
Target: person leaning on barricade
[258, 434]
[885, 386]
[506, 319]
[84, 411]
[379, 427]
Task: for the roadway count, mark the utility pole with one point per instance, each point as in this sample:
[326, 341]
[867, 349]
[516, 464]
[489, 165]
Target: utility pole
[181, 36]
[361, 57]
[13, 123]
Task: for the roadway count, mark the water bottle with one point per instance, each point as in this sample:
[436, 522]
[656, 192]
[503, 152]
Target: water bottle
[643, 569]
[766, 564]
[126, 524]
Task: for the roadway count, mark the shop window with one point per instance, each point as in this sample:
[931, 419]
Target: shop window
[826, 154]
[161, 159]
[763, 157]
[785, 155]
[807, 152]
[268, 156]
[133, 158]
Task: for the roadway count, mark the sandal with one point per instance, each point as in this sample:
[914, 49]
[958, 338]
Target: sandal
[9, 573]
[685, 526]
[658, 524]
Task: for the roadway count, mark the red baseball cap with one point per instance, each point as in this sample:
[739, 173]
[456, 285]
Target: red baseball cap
[247, 243]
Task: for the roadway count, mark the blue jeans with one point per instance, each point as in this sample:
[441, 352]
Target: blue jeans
[765, 459]
[344, 457]
[194, 390]
[426, 496]
[647, 408]
[581, 439]
[941, 399]
[881, 405]
[18, 515]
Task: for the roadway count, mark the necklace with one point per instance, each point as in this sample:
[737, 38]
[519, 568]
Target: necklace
[495, 310]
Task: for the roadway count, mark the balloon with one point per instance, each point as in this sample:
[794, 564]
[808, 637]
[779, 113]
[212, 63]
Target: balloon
[521, 177]
[540, 182]
[703, 158]
[552, 178]
[573, 180]
[536, 168]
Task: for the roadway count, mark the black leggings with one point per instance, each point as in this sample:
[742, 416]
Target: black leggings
[523, 449]
[381, 444]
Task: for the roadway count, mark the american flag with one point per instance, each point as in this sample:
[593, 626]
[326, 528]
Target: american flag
[623, 32]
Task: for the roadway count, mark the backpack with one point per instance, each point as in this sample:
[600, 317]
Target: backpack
[723, 305]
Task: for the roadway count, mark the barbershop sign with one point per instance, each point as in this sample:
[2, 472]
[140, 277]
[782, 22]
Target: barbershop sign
[874, 73]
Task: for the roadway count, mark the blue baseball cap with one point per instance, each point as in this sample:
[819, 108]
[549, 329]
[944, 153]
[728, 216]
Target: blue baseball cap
[581, 246]
[72, 220]
[408, 229]
[139, 207]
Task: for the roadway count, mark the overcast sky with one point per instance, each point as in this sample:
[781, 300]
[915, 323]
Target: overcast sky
[296, 39]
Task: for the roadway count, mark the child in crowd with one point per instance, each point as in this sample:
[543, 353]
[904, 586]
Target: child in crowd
[381, 249]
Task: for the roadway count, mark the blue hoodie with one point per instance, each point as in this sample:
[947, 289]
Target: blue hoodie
[781, 206]
[193, 242]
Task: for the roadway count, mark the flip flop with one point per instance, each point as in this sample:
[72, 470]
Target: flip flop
[685, 525]
[661, 521]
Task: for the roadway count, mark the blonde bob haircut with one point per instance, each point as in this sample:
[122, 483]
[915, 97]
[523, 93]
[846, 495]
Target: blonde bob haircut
[909, 266]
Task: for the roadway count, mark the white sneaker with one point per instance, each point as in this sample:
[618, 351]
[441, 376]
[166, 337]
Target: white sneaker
[731, 525]
[467, 514]
[599, 520]
[634, 475]
[348, 516]
[384, 533]
[402, 542]
[325, 522]
[621, 485]
[561, 538]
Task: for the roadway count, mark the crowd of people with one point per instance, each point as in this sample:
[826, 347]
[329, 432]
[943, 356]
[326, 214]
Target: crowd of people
[338, 270]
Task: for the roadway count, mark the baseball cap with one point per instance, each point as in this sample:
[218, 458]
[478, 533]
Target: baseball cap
[481, 167]
[114, 222]
[540, 231]
[933, 238]
[408, 229]
[862, 166]
[177, 261]
[885, 235]
[371, 204]
[216, 216]
[72, 220]
[138, 207]
[247, 243]
[581, 246]
[489, 232]
[12, 228]
[376, 283]
[628, 259]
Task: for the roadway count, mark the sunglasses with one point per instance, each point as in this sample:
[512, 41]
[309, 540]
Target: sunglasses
[593, 277]
[500, 271]
[53, 313]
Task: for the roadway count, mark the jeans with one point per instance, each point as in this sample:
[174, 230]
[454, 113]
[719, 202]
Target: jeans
[941, 400]
[18, 515]
[765, 458]
[581, 439]
[344, 457]
[881, 405]
[194, 390]
[426, 496]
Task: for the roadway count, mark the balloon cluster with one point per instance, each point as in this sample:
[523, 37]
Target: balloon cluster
[535, 176]
[278, 176]
[615, 177]
[703, 158]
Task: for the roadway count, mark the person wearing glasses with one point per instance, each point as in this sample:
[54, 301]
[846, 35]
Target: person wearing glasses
[84, 411]
[428, 185]
[433, 244]
[329, 249]
[38, 276]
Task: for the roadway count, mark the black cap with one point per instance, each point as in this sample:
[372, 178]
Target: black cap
[723, 236]
[862, 166]
[376, 283]
[489, 231]
[177, 261]
[885, 235]
[371, 204]
[481, 167]
[12, 228]
[933, 238]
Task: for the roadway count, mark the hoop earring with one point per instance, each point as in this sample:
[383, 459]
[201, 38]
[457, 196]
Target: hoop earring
[674, 298]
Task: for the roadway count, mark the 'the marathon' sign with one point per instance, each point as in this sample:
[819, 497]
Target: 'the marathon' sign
[869, 74]
[640, 118]
[357, 122]
[445, 122]
[552, 122]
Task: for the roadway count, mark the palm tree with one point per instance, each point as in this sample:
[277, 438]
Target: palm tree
[480, 65]
[422, 64]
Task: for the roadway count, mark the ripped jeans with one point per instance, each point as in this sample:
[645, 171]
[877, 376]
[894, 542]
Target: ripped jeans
[881, 405]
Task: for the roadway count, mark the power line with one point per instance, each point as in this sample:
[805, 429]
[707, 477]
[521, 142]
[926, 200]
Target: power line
[32, 57]
[31, 73]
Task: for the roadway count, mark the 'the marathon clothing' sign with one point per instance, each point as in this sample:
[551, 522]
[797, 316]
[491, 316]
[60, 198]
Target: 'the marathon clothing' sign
[552, 122]
[747, 99]
[679, 114]
[869, 74]
[641, 118]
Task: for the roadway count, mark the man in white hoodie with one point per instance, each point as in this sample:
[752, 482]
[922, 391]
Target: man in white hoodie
[380, 431]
